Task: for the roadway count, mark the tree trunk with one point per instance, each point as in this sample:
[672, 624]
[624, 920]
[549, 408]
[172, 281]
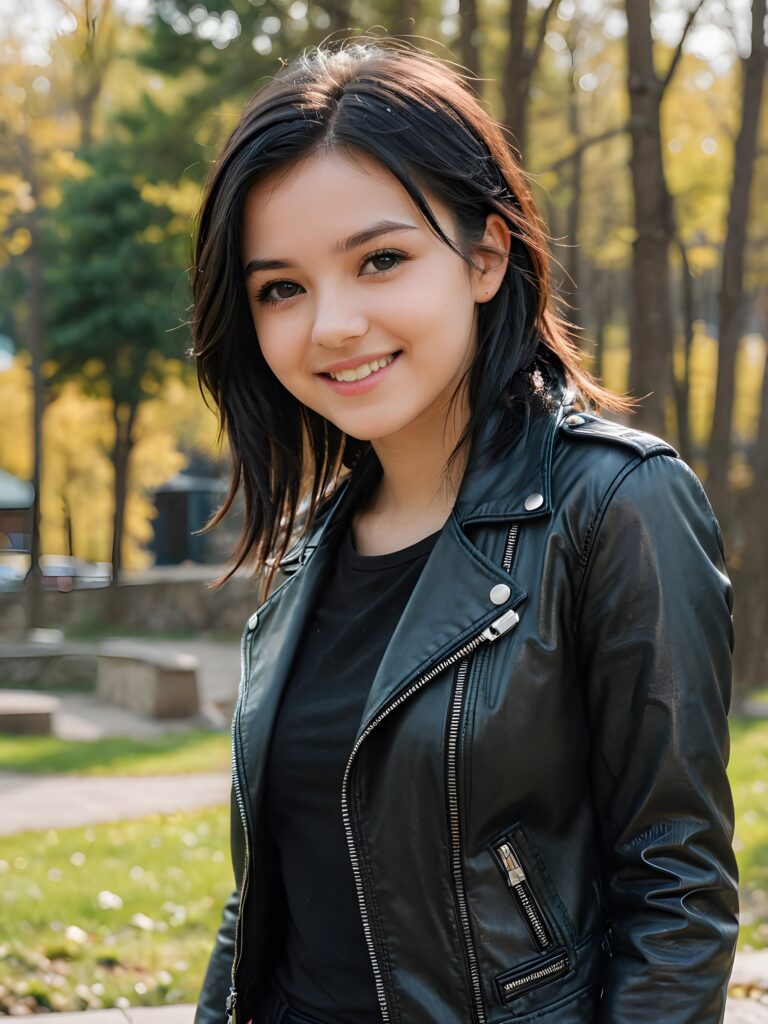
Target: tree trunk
[469, 40]
[601, 314]
[731, 297]
[520, 66]
[681, 385]
[33, 261]
[751, 580]
[66, 507]
[572, 261]
[651, 331]
[124, 417]
[515, 76]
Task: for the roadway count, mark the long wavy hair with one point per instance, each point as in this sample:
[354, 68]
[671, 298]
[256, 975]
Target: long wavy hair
[419, 118]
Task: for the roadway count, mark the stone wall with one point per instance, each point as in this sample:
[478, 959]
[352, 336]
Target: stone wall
[159, 601]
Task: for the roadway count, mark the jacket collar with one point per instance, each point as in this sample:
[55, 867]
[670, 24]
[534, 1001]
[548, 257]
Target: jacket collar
[516, 481]
[513, 482]
[451, 601]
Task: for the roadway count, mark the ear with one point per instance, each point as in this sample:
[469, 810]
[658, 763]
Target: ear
[493, 264]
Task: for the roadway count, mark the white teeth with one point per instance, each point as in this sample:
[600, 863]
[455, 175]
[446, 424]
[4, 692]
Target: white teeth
[361, 372]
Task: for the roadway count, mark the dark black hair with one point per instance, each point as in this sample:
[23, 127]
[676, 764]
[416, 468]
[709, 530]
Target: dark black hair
[418, 118]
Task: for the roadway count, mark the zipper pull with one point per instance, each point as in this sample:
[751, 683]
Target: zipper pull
[512, 865]
[231, 1000]
[501, 625]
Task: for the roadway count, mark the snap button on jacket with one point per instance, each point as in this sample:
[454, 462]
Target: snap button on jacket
[536, 805]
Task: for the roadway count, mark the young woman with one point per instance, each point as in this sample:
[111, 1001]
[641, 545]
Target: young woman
[480, 744]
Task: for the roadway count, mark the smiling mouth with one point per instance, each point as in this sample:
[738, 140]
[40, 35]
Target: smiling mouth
[362, 371]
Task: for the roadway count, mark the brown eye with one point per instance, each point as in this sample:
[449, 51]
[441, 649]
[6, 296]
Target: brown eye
[276, 291]
[384, 260]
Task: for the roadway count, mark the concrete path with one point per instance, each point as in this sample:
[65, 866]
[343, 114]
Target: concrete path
[62, 801]
[183, 1013]
[740, 1011]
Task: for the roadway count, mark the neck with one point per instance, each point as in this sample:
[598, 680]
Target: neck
[415, 486]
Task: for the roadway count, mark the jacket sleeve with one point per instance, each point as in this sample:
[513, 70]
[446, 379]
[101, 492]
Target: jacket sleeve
[212, 1001]
[655, 639]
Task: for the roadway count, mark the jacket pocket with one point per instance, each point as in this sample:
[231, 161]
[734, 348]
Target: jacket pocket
[513, 983]
[533, 892]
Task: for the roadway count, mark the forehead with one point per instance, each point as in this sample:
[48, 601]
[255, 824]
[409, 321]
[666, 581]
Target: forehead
[320, 199]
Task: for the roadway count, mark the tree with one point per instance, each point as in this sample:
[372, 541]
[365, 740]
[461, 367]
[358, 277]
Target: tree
[731, 298]
[652, 320]
[110, 293]
[520, 66]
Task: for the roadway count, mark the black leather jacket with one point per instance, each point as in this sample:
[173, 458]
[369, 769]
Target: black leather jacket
[536, 806]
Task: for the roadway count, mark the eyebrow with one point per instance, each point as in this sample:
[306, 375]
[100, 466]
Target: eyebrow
[359, 238]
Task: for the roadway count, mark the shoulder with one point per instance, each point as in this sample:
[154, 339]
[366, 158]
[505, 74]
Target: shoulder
[593, 454]
[600, 466]
[630, 488]
[589, 428]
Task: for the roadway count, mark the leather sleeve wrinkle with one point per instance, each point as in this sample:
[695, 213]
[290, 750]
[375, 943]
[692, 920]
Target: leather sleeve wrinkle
[654, 645]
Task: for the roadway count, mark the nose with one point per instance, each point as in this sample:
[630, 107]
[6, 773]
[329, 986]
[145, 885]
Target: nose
[337, 321]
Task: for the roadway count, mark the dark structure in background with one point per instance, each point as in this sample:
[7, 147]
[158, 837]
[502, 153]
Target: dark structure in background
[16, 498]
[183, 505]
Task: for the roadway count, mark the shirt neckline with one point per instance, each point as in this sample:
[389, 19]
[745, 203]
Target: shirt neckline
[373, 563]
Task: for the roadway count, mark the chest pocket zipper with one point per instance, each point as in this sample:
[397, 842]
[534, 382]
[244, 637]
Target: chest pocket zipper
[519, 885]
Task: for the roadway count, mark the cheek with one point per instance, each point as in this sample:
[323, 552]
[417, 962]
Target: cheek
[436, 302]
[278, 345]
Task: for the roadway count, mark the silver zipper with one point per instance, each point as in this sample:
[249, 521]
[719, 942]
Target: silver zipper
[518, 883]
[496, 629]
[453, 808]
[244, 668]
[456, 868]
[511, 986]
[510, 548]
[232, 997]
[305, 555]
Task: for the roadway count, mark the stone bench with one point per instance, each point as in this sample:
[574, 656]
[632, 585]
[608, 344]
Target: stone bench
[27, 714]
[149, 683]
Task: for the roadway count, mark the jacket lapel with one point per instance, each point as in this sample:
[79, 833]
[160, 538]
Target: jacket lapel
[281, 623]
[450, 603]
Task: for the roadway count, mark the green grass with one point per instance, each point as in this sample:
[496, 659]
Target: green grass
[64, 947]
[112, 915]
[198, 750]
[748, 771]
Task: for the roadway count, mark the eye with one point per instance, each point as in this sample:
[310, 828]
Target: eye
[266, 295]
[386, 259]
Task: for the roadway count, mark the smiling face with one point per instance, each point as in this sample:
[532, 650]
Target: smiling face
[343, 275]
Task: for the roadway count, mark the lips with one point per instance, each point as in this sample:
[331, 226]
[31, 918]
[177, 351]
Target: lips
[348, 374]
[355, 364]
[359, 386]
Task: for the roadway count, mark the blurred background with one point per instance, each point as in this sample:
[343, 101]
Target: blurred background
[644, 129]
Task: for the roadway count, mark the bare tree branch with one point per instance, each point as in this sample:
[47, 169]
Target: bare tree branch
[586, 143]
[679, 51]
[541, 31]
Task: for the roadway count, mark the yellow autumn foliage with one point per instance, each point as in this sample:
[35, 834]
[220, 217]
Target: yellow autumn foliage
[78, 476]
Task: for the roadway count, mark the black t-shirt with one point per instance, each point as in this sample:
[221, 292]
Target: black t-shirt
[322, 968]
